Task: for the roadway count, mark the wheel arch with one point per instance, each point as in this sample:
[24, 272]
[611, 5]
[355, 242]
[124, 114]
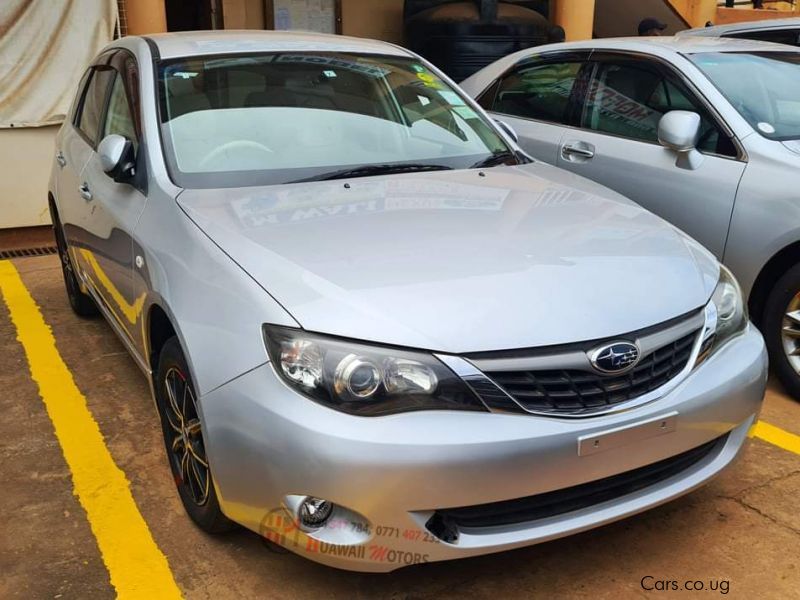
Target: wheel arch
[781, 261]
[159, 328]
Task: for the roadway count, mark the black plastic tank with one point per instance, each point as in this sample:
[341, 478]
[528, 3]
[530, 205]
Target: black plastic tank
[460, 37]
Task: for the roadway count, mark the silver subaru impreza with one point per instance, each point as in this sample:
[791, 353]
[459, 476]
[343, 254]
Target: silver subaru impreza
[376, 332]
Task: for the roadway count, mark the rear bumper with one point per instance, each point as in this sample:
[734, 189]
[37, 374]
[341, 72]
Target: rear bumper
[267, 445]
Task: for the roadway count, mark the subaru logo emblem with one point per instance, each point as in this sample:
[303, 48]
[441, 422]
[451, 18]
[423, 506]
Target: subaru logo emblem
[615, 358]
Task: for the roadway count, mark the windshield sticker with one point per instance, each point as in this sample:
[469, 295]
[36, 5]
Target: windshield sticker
[765, 128]
[429, 80]
[183, 74]
[452, 98]
[465, 112]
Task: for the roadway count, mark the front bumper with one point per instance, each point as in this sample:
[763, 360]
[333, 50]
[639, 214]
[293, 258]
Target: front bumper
[267, 445]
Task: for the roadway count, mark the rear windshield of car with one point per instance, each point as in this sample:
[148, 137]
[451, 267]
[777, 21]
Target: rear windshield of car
[282, 117]
[764, 87]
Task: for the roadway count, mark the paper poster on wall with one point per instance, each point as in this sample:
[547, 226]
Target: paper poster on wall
[305, 15]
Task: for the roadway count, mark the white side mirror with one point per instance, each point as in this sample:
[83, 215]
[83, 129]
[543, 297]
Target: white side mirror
[679, 130]
[116, 157]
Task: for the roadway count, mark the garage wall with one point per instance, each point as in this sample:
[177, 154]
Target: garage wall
[243, 14]
[379, 19]
[26, 155]
[613, 18]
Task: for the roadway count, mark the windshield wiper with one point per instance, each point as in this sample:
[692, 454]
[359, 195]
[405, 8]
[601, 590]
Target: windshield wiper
[367, 170]
[498, 158]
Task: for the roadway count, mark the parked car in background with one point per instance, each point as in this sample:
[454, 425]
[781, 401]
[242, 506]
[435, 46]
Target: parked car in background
[702, 131]
[375, 332]
[779, 31]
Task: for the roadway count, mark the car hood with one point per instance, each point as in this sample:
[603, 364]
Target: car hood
[459, 261]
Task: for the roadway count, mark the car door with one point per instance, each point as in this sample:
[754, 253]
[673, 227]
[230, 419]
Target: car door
[114, 208]
[536, 98]
[76, 144]
[617, 145]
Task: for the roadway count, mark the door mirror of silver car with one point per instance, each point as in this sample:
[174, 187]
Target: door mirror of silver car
[508, 129]
[679, 130]
[116, 157]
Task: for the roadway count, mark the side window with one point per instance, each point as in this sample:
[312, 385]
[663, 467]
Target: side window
[777, 36]
[629, 99]
[93, 103]
[119, 118]
[130, 74]
[76, 105]
[539, 92]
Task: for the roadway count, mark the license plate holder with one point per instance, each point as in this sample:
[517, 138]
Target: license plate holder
[627, 434]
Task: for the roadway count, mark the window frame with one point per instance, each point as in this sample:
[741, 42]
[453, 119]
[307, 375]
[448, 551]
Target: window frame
[669, 72]
[117, 64]
[113, 60]
[101, 63]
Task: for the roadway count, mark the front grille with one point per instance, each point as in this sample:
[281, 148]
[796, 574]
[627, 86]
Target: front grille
[446, 523]
[569, 391]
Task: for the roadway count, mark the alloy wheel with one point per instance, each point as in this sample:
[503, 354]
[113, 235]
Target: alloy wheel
[186, 443]
[790, 332]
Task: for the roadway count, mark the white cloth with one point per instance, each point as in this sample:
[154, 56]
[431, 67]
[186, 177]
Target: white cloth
[45, 46]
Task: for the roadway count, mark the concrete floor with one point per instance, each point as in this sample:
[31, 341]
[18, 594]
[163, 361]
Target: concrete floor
[743, 528]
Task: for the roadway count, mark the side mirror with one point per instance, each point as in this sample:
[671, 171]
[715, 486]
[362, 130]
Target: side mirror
[679, 130]
[116, 158]
[508, 129]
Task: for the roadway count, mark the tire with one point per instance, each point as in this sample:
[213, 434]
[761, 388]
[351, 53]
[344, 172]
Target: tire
[183, 440]
[82, 304]
[782, 332]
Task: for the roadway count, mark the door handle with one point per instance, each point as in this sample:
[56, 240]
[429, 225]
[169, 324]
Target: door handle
[578, 149]
[62, 162]
[86, 193]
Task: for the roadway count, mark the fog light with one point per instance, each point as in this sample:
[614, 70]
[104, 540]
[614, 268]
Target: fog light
[315, 511]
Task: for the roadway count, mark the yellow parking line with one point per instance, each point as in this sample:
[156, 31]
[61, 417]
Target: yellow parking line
[136, 566]
[776, 436]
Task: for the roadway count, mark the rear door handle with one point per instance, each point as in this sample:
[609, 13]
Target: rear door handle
[577, 151]
[62, 162]
[86, 193]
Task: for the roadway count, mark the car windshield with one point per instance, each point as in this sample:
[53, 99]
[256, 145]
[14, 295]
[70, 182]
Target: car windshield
[285, 117]
[763, 86]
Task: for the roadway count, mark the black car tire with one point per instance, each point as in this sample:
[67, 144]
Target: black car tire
[186, 451]
[785, 292]
[82, 304]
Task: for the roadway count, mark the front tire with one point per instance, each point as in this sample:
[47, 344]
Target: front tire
[183, 440]
[781, 330]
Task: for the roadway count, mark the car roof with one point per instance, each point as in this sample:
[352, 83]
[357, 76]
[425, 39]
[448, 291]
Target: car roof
[670, 44]
[717, 30]
[197, 43]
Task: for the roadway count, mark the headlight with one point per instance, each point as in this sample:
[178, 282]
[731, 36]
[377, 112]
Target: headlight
[726, 314]
[364, 379]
